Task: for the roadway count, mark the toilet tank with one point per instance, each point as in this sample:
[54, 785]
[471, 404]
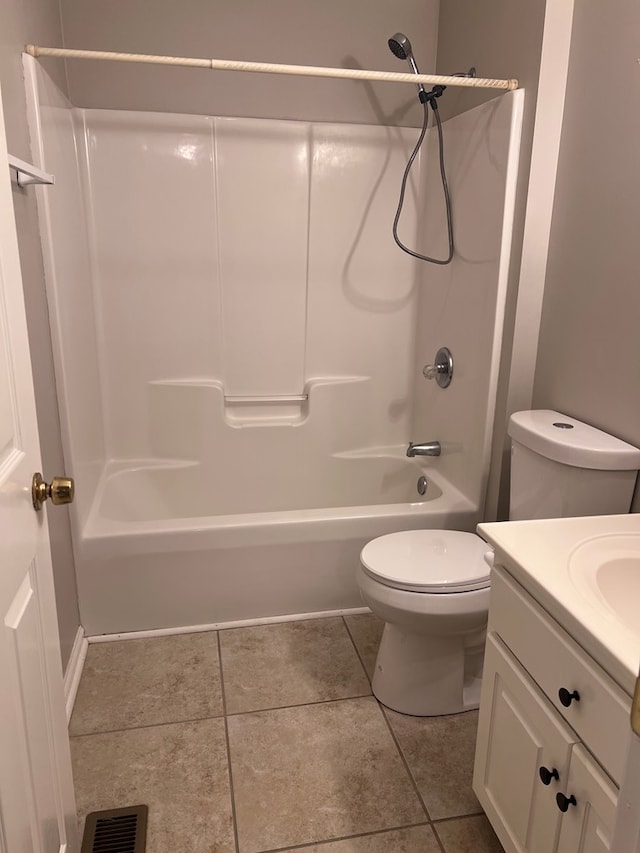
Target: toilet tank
[562, 467]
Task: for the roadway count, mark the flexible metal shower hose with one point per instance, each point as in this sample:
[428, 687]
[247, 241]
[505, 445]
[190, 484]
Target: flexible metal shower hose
[445, 188]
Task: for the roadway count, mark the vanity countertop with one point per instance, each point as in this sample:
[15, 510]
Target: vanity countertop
[553, 560]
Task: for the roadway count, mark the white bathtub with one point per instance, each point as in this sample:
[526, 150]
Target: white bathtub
[157, 553]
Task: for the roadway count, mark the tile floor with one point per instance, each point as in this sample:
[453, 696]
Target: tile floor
[268, 738]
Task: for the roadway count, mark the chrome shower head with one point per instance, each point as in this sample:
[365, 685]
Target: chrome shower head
[400, 46]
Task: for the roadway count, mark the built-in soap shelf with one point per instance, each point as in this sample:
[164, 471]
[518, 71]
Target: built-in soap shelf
[266, 410]
[189, 418]
[282, 398]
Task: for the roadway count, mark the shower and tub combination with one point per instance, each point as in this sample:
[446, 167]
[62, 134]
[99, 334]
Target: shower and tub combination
[240, 347]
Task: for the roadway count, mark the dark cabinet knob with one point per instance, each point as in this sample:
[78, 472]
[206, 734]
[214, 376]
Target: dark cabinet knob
[567, 698]
[547, 775]
[564, 802]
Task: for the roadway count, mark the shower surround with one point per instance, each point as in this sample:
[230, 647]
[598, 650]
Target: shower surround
[239, 348]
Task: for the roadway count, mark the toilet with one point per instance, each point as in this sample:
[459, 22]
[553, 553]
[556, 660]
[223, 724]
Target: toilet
[431, 587]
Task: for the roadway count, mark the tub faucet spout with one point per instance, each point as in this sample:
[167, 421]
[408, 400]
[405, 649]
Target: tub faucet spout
[425, 448]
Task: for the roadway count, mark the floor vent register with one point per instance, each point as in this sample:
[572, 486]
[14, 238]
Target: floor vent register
[116, 831]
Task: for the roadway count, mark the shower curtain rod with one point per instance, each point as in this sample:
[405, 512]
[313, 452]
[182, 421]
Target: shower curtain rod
[270, 68]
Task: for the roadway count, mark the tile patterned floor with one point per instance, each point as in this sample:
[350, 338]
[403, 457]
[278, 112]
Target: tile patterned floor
[268, 738]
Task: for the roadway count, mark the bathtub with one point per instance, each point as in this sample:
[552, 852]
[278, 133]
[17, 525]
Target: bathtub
[162, 548]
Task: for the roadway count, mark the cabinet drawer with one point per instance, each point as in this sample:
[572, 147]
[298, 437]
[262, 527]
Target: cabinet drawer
[554, 660]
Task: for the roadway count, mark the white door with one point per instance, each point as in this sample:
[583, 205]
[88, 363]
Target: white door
[37, 809]
[587, 825]
[520, 734]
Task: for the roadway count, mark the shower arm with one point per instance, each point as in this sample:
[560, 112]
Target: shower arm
[272, 68]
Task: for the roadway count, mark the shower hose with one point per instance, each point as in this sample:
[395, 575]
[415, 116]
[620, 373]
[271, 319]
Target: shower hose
[445, 187]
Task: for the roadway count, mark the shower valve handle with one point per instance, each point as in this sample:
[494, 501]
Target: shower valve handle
[442, 368]
[430, 371]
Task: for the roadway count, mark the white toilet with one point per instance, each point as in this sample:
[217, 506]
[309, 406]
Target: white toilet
[431, 587]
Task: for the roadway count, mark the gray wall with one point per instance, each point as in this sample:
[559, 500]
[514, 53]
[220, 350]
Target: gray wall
[503, 39]
[38, 21]
[589, 353]
[301, 32]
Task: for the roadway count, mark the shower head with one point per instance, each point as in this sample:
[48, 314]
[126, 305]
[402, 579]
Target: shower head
[400, 46]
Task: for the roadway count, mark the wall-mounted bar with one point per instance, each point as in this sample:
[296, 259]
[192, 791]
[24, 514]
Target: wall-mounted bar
[270, 68]
[27, 174]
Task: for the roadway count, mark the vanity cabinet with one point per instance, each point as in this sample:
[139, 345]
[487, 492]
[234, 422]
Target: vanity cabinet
[551, 733]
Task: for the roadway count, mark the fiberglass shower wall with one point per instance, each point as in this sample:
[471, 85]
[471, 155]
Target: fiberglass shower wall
[238, 263]
[237, 287]
[226, 298]
[461, 306]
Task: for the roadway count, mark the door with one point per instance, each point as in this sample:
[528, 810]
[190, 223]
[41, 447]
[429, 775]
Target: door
[522, 741]
[587, 825]
[37, 809]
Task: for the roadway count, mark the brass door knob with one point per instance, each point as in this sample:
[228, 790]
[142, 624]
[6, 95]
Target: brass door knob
[60, 491]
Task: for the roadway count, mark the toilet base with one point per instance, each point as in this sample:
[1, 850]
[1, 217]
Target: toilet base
[428, 676]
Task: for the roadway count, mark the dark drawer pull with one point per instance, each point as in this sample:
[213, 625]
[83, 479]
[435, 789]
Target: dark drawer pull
[567, 698]
[547, 775]
[564, 802]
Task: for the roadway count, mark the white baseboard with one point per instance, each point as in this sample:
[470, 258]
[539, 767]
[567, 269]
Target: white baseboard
[74, 670]
[220, 626]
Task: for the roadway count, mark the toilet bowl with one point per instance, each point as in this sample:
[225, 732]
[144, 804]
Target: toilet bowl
[431, 587]
[430, 656]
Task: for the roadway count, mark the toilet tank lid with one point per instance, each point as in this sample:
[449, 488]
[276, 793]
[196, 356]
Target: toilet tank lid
[563, 439]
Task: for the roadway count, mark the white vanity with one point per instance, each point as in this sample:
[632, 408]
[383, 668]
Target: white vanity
[561, 662]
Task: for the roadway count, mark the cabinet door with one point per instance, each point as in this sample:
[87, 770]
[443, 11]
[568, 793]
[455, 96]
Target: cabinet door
[587, 826]
[519, 732]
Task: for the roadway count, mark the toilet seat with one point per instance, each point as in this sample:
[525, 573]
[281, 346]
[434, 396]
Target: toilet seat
[430, 561]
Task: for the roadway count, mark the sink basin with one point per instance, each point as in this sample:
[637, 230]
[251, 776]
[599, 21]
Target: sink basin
[606, 570]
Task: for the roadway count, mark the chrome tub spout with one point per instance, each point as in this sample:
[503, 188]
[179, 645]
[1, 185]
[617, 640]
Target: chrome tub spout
[424, 448]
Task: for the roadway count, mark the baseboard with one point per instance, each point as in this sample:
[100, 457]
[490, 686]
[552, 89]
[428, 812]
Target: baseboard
[74, 670]
[220, 626]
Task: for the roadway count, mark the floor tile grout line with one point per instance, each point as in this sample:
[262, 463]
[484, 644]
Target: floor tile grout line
[439, 841]
[147, 726]
[437, 823]
[458, 817]
[232, 797]
[223, 694]
[393, 735]
[321, 841]
[302, 704]
[221, 716]
[404, 759]
[357, 651]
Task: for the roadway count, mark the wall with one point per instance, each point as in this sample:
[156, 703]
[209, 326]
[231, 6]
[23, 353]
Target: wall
[38, 21]
[277, 277]
[68, 271]
[461, 306]
[589, 352]
[299, 32]
[502, 39]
